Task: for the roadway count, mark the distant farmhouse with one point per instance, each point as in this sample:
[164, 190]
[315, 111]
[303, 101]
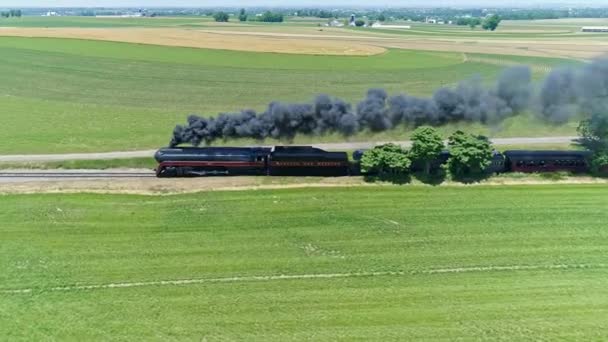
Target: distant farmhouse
[380, 25]
[438, 21]
[594, 29]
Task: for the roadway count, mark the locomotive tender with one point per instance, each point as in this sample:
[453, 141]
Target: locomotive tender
[311, 161]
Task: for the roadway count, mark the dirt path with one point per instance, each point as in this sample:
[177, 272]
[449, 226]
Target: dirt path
[329, 146]
[167, 186]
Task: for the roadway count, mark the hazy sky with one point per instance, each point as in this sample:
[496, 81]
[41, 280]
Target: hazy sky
[245, 3]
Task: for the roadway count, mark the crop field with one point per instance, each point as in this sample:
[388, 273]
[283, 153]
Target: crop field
[239, 41]
[527, 262]
[69, 95]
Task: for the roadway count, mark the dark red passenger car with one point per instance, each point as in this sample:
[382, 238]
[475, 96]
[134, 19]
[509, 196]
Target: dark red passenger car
[547, 161]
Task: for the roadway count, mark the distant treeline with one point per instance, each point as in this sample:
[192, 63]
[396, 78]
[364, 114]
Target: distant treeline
[450, 14]
[413, 14]
[267, 17]
[10, 13]
[277, 14]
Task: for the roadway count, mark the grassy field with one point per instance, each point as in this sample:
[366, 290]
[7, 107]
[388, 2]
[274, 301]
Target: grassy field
[522, 262]
[99, 164]
[62, 95]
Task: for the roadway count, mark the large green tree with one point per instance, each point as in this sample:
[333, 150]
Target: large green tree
[242, 15]
[469, 154]
[491, 22]
[221, 17]
[271, 17]
[593, 134]
[386, 160]
[427, 145]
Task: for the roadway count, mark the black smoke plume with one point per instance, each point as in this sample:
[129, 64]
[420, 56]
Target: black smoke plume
[563, 94]
[568, 92]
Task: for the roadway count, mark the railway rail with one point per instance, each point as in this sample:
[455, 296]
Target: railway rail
[79, 174]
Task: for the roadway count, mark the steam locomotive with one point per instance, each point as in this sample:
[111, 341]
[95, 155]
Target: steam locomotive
[311, 161]
[230, 161]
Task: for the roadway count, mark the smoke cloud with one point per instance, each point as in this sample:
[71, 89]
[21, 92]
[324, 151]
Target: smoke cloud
[568, 92]
[564, 93]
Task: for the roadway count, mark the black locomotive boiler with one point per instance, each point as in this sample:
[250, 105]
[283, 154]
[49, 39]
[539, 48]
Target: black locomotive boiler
[235, 161]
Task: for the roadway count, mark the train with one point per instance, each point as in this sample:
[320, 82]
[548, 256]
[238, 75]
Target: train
[312, 161]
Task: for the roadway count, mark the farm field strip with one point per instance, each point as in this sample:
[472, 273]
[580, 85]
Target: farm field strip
[182, 282]
[333, 42]
[224, 40]
[316, 263]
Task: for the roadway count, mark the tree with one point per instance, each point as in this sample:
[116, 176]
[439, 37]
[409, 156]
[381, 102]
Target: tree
[593, 134]
[5, 14]
[426, 146]
[242, 15]
[469, 154]
[359, 23]
[491, 22]
[599, 163]
[386, 160]
[474, 22]
[382, 17]
[221, 17]
[270, 17]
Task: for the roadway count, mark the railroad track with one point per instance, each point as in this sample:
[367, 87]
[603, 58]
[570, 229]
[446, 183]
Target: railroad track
[74, 174]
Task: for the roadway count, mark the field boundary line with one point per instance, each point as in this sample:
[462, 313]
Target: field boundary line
[254, 278]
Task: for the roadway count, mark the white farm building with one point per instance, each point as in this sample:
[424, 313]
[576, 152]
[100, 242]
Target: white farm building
[594, 29]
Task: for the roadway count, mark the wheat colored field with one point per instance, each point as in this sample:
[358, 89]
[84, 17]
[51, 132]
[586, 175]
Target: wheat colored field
[293, 44]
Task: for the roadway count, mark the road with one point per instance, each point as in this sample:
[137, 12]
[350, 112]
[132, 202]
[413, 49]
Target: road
[329, 146]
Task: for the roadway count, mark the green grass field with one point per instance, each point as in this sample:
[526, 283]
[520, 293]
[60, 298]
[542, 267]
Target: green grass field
[474, 263]
[95, 164]
[63, 95]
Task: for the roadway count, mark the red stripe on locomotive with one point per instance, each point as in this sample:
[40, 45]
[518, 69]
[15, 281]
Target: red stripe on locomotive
[306, 164]
[213, 163]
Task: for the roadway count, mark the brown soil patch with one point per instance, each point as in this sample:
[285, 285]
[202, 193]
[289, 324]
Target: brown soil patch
[153, 186]
[206, 39]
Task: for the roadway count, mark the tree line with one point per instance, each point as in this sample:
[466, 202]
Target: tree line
[470, 154]
[489, 23]
[11, 14]
[267, 17]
